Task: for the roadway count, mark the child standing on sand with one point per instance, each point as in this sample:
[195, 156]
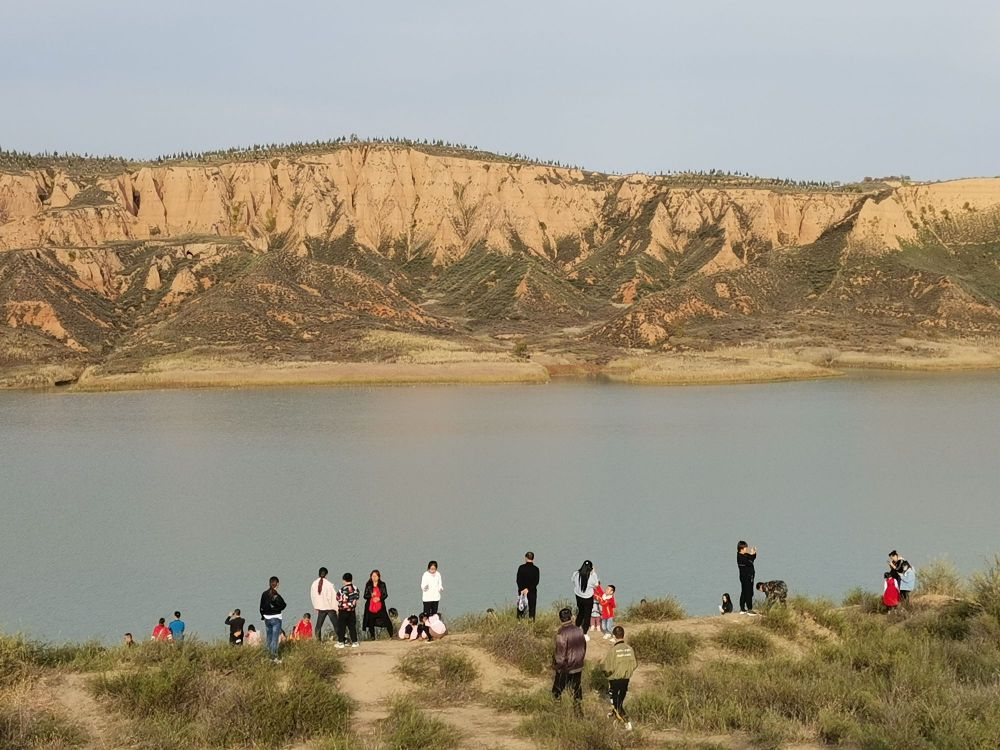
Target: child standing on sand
[890, 591]
[595, 611]
[608, 606]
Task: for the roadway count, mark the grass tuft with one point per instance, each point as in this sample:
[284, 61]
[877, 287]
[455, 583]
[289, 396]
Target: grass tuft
[747, 640]
[409, 728]
[662, 647]
[941, 577]
[527, 645]
[655, 610]
[450, 675]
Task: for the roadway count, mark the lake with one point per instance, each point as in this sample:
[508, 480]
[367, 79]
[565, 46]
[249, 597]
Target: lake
[119, 508]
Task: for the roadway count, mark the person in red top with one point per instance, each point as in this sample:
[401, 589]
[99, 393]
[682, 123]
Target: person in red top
[608, 606]
[161, 632]
[890, 592]
[304, 629]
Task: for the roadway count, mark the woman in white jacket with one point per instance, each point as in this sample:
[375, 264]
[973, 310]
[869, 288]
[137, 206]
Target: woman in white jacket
[431, 588]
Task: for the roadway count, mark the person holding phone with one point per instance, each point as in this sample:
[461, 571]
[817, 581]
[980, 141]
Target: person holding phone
[745, 557]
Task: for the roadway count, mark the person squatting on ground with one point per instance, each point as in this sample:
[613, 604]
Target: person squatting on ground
[271, 607]
[324, 600]
[303, 629]
[775, 591]
[727, 605]
[376, 615]
[619, 664]
[584, 582]
[608, 606]
[528, 576]
[745, 556]
[431, 587]
[347, 617]
[236, 624]
[571, 650]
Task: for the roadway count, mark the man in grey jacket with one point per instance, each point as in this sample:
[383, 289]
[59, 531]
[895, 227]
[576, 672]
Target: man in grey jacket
[571, 650]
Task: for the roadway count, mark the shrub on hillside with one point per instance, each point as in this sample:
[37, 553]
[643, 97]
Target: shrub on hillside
[408, 728]
[747, 640]
[985, 587]
[662, 647]
[450, 675]
[527, 645]
[941, 577]
[655, 610]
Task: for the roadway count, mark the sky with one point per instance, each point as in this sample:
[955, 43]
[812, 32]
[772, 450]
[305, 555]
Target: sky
[807, 90]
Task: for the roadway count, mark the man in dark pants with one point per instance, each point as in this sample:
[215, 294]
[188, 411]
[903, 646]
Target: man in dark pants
[745, 556]
[571, 650]
[527, 584]
[619, 664]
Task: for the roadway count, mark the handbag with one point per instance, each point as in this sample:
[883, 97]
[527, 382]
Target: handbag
[522, 602]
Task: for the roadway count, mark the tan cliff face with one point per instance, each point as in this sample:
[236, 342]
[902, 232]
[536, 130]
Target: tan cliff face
[299, 256]
[412, 202]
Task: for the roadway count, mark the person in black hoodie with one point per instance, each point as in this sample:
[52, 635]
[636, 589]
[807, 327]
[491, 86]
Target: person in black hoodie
[271, 607]
[236, 624]
[376, 615]
[745, 555]
[527, 584]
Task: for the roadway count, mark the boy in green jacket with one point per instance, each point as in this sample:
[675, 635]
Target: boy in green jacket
[619, 663]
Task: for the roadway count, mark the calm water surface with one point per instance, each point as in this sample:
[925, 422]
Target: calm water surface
[119, 508]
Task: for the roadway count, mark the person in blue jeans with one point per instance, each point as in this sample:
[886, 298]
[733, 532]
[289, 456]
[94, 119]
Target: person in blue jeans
[177, 628]
[271, 607]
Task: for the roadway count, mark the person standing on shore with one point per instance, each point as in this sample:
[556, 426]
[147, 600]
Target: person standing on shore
[745, 556]
[431, 587]
[907, 581]
[584, 581]
[236, 624]
[324, 600]
[347, 616]
[376, 615]
[177, 628]
[528, 576]
[619, 664]
[161, 632]
[271, 606]
[571, 650]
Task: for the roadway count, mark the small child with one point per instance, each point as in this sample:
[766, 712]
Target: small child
[726, 608]
[347, 618]
[304, 629]
[608, 606]
[890, 592]
[252, 637]
[595, 614]
[128, 641]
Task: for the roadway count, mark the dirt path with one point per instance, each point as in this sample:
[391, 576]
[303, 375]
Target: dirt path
[75, 700]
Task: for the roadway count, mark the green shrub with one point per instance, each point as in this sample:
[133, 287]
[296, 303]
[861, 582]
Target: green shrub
[409, 728]
[523, 701]
[941, 577]
[596, 679]
[865, 600]
[564, 729]
[985, 587]
[26, 727]
[781, 620]
[836, 728]
[662, 647]
[655, 610]
[527, 645]
[450, 675]
[745, 639]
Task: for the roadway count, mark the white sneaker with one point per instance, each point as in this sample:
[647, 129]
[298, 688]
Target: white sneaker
[628, 726]
[354, 645]
[339, 644]
[586, 637]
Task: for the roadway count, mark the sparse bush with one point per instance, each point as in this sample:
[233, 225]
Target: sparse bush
[527, 645]
[781, 620]
[941, 577]
[523, 701]
[985, 587]
[562, 728]
[655, 610]
[450, 675]
[745, 639]
[865, 600]
[27, 727]
[662, 647]
[823, 611]
[409, 728]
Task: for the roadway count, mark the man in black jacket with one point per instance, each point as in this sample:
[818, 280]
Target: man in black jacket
[527, 584]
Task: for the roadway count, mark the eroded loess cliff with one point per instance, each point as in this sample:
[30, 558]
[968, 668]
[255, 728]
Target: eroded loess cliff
[301, 258]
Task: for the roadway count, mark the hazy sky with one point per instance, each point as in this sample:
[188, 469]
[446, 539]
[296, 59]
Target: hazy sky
[827, 90]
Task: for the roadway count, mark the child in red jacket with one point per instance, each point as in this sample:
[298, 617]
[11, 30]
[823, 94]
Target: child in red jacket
[608, 606]
[304, 629]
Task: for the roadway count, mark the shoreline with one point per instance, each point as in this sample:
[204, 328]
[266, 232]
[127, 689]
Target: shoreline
[685, 370]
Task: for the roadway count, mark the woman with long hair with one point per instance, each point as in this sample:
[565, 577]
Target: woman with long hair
[376, 614]
[584, 581]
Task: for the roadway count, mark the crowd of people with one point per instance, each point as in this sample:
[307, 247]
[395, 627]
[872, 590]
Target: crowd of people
[595, 610]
